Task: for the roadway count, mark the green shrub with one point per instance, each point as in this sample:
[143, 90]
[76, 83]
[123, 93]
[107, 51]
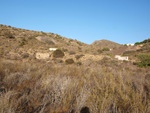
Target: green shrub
[105, 49]
[79, 63]
[58, 53]
[100, 51]
[137, 43]
[58, 37]
[23, 42]
[144, 60]
[145, 41]
[109, 55]
[69, 61]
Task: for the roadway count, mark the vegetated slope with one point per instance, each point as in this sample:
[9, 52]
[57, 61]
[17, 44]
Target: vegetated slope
[21, 44]
[105, 44]
[99, 84]
[21, 40]
[141, 54]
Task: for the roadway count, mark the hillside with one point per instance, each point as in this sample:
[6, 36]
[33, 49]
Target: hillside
[75, 78]
[105, 44]
[21, 38]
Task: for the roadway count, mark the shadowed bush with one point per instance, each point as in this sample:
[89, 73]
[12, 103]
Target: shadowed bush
[58, 53]
[69, 61]
[85, 110]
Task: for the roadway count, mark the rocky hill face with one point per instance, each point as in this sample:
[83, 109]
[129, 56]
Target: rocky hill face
[105, 44]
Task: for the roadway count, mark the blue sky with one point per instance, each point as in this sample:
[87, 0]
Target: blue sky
[121, 21]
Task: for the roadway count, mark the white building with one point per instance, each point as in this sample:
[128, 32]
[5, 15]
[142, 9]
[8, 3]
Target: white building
[52, 49]
[121, 57]
[130, 44]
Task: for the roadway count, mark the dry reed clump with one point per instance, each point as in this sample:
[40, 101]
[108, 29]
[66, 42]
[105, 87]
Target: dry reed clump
[41, 87]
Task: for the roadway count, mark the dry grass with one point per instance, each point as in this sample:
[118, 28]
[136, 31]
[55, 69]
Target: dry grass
[46, 88]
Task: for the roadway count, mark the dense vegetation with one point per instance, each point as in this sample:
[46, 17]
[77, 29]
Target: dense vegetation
[144, 60]
[145, 41]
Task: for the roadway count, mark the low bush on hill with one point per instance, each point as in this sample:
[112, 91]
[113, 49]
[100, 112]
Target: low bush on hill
[79, 56]
[144, 60]
[105, 49]
[58, 54]
[72, 52]
[25, 55]
[100, 51]
[69, 61]
[7, 34]
[79, 63]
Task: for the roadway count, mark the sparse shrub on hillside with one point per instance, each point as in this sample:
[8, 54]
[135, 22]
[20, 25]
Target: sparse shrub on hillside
[79, 43]
[144, 60]
[105, 60]
[72, 52]
[58, 37]
[69, 61]
[147, 85]
[79, 48]
[128, 53]
[109, 55]
[57, 60]
[58, 53]
[7, 34]
[79, 56]
[33, 36]
[43, 33]
[23, 42]
[105, 49]
[50, 42]
[79, 63]
[100, 51]
[25, 55]
[70, 40]
[64, 50]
